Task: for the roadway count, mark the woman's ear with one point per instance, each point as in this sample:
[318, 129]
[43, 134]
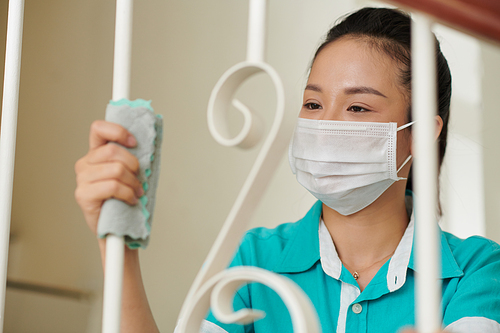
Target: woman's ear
[439, 126]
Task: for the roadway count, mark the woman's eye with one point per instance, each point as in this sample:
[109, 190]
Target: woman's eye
[312, 106]
[356, 108]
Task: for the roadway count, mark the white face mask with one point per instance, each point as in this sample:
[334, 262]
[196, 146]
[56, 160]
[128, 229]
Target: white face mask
[345, 164]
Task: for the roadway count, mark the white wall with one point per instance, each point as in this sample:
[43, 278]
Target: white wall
[490, 56]
[470, 179]
[462, 190]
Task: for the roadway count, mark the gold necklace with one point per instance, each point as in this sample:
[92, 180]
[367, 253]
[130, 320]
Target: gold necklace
[356, 275]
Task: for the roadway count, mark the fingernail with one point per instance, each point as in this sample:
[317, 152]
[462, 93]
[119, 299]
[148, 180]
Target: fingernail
[140, 192]
[131, 141]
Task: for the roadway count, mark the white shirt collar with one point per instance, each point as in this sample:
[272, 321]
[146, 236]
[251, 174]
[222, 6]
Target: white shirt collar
[396, 274]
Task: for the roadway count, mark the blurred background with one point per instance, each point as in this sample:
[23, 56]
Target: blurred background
[180, 49]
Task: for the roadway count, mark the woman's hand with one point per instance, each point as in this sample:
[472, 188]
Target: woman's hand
[106, 171]
[110, 171]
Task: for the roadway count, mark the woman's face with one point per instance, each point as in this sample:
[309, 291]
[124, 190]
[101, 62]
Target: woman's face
[352, 81]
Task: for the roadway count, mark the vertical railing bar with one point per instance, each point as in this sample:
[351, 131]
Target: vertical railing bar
[256, 30]
[115, 246]
[113, 284]
[8, 135]
[428, 289]
[123, 49]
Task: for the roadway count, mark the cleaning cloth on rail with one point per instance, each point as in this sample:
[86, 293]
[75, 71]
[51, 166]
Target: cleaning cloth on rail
[117, 217]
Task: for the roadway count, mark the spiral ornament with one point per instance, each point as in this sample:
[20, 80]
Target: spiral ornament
[222, 98]
[214, 286]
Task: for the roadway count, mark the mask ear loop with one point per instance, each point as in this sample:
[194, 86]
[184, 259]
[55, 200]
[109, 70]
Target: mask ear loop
[402, 165]
[409, 157]
[404, 126]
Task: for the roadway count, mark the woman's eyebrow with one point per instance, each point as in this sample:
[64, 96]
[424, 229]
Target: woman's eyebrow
[313, 87]
[363, 90]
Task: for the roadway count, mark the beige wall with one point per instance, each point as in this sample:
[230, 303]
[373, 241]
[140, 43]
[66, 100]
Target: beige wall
[181, 48]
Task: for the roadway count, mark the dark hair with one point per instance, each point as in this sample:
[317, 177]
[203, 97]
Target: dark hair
[389, 31]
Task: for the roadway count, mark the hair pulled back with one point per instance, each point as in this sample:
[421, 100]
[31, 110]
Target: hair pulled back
[389, 31]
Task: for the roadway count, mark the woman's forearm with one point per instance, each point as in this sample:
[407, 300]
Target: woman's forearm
[136, 314]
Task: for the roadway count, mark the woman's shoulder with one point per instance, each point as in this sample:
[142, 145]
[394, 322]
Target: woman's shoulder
[473, 298]
[260, 243]
[477, 243]
[269, 247]
[261, 247]
[280, 233]
[473, 252]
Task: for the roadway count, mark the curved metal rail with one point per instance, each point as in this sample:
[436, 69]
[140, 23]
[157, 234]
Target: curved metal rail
[214, 281]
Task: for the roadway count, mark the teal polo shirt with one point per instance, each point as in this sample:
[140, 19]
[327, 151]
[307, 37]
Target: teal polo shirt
[304, 252]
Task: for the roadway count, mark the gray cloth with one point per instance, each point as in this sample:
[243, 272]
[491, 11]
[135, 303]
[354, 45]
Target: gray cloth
[117, 217]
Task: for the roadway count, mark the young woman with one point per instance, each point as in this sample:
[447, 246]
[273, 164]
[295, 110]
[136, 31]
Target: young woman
[352, 252]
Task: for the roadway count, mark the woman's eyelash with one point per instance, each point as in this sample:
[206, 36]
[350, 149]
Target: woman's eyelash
[356, 108]
[312, 106]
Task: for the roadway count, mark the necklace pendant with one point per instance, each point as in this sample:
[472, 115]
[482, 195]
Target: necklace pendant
[355, 275]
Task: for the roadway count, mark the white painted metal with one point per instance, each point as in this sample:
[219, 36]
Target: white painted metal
[8, 135]
[213, 282]
[197, 303]
[424, 106]
[222, 97]
[113, 284]
[302, 313]
[256, 42]
[123, 49]
[115, 246]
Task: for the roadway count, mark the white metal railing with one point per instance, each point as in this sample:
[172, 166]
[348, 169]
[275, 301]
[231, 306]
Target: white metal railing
[8, 135]
[213, 279]
[115, 245]
[424, 107]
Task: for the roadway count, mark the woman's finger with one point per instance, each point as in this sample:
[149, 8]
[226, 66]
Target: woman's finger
[109, 171]
[90, 196]
[102, 132]
[112, 153]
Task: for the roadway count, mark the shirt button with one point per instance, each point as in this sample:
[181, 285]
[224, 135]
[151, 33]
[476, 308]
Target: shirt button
[357, 308]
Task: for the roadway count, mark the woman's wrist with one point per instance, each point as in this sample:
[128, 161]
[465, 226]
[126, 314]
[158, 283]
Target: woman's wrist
[131, 260]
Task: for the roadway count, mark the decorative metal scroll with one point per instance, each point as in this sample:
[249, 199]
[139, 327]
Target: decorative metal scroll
[215, 286]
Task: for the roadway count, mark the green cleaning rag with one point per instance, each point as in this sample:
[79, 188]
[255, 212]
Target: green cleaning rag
[117, 217]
